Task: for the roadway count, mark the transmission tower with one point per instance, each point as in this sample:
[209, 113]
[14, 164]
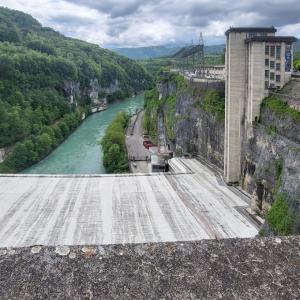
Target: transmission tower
[201, 59]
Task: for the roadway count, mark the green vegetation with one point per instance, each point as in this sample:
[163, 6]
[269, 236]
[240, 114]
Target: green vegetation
[297, 61]
[153, 66]
[151, 106]
[167, 105]
[113, 145]
[271, 129]
[283, 216]
[37, 67]
[170, 104]
[37, 145]
[279, 217]
[280, 107]
[212, 101]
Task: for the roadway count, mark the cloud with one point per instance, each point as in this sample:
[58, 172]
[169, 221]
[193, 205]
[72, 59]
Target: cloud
[118, 23]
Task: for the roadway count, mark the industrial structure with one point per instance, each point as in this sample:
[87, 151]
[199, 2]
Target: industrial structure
[190, 61]
[257, 61]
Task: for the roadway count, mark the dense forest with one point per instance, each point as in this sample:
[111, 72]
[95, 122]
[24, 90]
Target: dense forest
[38, 65]
[113, 145]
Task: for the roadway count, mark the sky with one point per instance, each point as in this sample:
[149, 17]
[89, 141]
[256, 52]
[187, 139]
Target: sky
[137, 23]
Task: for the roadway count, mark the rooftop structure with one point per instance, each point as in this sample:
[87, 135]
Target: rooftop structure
[256, 30]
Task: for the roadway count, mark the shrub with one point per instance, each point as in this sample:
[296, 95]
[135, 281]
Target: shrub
[279, 218]
[280, 107]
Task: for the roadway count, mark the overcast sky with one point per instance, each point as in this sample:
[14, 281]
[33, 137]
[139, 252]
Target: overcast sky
[125, 23]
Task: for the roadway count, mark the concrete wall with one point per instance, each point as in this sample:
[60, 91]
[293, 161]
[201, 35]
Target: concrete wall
[235, 104]
[256, 80]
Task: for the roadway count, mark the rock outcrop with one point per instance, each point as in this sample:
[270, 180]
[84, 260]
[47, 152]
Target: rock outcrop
[191, 128]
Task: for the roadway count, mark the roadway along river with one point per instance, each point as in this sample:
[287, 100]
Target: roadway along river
[80, 153]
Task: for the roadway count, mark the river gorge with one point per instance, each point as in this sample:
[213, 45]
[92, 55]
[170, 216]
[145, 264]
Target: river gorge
[81, 153]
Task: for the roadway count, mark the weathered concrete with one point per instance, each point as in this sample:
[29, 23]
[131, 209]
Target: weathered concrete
[227, 269]
[112, 209]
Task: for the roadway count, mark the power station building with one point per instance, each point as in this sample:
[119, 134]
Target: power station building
[256, 62]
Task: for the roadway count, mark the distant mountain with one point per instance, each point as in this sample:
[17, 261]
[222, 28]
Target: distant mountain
[160, 51]
[146, 52]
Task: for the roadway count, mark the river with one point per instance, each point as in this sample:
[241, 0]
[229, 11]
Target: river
[80, 153]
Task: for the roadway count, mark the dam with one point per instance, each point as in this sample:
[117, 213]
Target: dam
[192, 203]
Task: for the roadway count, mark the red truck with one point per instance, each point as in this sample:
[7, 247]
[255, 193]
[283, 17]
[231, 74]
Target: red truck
[148, 144]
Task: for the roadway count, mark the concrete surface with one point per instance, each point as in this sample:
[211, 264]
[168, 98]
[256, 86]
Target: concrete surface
[227, 269]
[113, 209]
[134, 139]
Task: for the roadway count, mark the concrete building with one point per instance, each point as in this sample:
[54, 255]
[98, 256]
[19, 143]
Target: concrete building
[257, 61]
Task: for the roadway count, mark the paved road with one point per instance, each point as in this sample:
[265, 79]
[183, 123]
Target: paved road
[135, 147]
[113, 209]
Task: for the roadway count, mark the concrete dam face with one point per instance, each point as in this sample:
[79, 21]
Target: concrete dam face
[190, 204]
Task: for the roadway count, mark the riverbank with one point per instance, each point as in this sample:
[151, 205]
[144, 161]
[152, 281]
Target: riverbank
[80, 152]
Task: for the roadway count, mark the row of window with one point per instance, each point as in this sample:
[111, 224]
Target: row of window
[272, 50]
[272, 76]
[272, 64]
[254, 34]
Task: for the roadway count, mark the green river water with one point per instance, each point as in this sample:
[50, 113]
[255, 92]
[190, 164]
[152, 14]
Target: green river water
[80, 153]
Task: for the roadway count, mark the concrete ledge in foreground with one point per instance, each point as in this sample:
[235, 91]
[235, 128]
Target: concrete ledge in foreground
[208, 269]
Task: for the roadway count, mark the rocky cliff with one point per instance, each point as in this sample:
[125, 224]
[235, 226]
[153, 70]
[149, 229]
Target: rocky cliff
[192, 121]
[271, 167]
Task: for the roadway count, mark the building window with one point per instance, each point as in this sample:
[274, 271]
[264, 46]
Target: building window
[278, 52]
[272, 51]
[277, 78]
[278, 66]
[272, 76]
[272, 64]
[266, 62]
[267, 73]
[267, 50]
[252, 34]
[266, 85]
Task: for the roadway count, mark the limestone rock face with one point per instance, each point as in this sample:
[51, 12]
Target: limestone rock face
[270, 160]
[198, 131]
[195, 131]
[95, 92]
[284, 125]
[2, 154]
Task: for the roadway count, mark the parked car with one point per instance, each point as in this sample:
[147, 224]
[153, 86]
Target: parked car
[148, 144]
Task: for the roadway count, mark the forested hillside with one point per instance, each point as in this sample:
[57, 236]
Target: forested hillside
[162, 51]
[47, 82]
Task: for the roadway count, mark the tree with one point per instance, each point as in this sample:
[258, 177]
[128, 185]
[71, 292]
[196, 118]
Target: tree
[43, 144]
